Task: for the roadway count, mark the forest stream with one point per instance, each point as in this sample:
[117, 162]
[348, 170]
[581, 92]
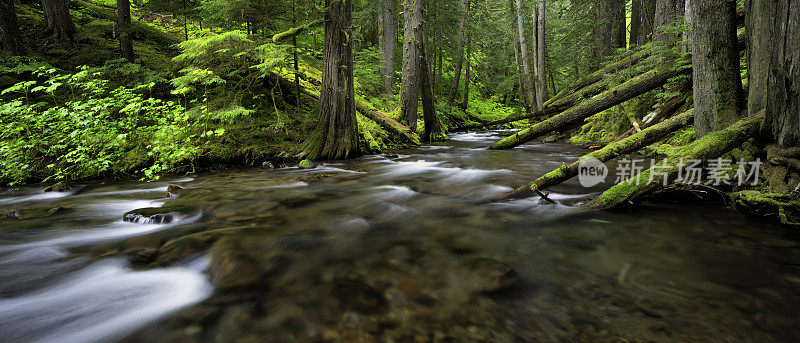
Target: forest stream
[390, 248]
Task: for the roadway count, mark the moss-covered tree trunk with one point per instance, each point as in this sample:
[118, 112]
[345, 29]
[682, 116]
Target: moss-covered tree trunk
[336, 135]
[59, 21]
[712, 145]
[387, 43]
[715, 61]
[634, 142]
[759, 20]
[783, 83]
[603, 101]
[124, 29]
[462, 26]
[10, 35]
[433, 126]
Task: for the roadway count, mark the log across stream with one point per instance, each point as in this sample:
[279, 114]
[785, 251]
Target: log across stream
[389, 246]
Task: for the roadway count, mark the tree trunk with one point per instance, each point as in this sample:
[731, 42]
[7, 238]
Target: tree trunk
[336, 136]
[647, 21]
[666, 12]
[387, 43]
[409, 88]
[630, 144]
[541, 72]
[468, 69]
[710, 146]
[612, 97]
[619, 25]
[295, 58]
[530, 90]
[462, 26]
[124, 29]
[59, 21]
[759, 17]
[605, 13]
[186, 21]
[433, 126]
[715, 60]
[636, 22]
[10, 35]
[518, 65]
[783, 99]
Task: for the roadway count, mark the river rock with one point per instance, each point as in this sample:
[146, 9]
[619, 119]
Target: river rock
[359, 296]
[487, 275]
[12, 214]
[174, 191]
[58, 187]
[156, 215]
[307, 164]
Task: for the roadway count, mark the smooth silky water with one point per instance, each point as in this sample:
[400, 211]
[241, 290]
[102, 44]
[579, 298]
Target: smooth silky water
[392, 248]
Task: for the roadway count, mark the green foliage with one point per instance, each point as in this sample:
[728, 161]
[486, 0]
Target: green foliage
[367, 71]
[90, 133]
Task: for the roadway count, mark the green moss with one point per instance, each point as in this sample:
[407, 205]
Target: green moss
[306, 164]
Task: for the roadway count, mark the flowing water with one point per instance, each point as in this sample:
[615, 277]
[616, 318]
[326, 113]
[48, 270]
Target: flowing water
[390, 248]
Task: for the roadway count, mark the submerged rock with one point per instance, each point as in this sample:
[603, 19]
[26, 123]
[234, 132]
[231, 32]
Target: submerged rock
[307, 164]
[58, 187]
[12, 214]
[487, 275]
[156, 215]
[58, 210]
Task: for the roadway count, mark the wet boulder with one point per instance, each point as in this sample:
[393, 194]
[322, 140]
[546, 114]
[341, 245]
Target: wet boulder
[174, 191]
[307, 164]
[157, 215]
[11, 214]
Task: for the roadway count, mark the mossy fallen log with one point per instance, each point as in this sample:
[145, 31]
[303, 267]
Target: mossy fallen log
[366, 109]
[599, 75]
[785, 206]
[603, 101]
[607, 153]
[712, 145]
[293, 32]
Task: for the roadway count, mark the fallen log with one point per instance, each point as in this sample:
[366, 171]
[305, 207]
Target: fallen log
[599, 75]
[363, 107]
[712, 145]
[293, 32]
[543, 112]
[634, 142]
[603, 101]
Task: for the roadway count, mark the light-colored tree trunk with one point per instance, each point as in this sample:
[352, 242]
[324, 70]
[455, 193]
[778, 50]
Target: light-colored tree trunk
[530, 90]
[783, 83]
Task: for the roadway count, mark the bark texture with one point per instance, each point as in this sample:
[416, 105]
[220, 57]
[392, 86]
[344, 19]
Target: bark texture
[387, 43]
[715, 60]
[759, 20]
[468, 59]
[59, 21]
[667, 13]
[783, 83]
[603, 101]
[10, 35]
[124, 29]
[336, 135]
